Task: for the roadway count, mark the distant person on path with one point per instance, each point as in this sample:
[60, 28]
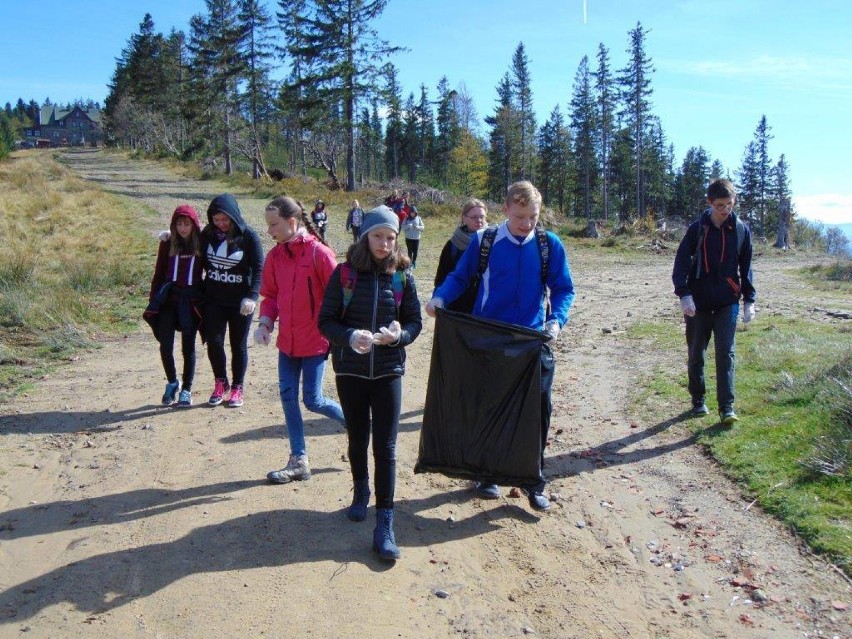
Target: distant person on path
[371, 313]
[233, 260]
[320, 218]
[474, 217]
[513, 289]
[712, 271]
[175, 300]
[355, 219]
[295, 275]
[412, 227]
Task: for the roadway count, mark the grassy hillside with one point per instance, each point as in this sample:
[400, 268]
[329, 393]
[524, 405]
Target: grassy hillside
[72, 265]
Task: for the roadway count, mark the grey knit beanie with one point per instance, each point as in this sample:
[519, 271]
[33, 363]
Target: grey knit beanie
[379, 217]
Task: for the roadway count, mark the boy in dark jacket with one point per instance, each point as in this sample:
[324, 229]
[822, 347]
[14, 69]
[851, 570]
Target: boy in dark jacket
[712, 271]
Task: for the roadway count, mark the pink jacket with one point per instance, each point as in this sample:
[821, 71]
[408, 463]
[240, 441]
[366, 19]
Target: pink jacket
[293, 283]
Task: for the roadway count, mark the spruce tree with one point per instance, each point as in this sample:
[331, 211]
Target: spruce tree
[583, 127]
[606, 100]
[554, 156]
[523, 103]
[346, 53]
[635, 83]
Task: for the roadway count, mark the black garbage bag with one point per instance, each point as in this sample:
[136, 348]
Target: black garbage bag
[482, 417]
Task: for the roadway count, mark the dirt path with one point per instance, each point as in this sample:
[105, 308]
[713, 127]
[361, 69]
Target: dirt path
[119, 518]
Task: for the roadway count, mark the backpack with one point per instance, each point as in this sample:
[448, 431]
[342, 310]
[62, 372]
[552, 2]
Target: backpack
[543, 250]
[696, 261]
[348, 277]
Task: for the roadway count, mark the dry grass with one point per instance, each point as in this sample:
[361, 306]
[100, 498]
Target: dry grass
[73, 264]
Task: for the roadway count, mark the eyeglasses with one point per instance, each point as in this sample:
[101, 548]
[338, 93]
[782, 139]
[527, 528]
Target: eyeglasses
[476, 218]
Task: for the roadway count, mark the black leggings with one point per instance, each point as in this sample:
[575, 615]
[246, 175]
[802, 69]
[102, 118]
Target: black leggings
[167, 325]
[380, 399]
[413, 246]
[217, 319]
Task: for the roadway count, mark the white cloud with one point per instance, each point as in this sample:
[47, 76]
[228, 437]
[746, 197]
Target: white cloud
[829, 208]
[794, 72]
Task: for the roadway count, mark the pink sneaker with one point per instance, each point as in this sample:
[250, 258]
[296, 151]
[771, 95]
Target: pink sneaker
[236, 398]
[219, 389]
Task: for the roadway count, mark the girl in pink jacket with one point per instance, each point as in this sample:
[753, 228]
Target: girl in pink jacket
[293, 283]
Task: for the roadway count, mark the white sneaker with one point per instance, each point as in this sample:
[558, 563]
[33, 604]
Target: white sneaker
[297, 469]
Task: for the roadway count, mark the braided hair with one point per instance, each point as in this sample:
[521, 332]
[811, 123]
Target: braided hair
[289, 208]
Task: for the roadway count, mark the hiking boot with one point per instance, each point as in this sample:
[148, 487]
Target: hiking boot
[185, 398]
[235, 400]
[219, 389]
[384, 542]
[539, 502]
[297, 469]
[487, 491]
[360, 500]
[170, 395]
[700, 410]
[728, 417]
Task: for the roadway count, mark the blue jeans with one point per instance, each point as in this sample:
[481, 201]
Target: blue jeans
[311, 370]
[722, 324]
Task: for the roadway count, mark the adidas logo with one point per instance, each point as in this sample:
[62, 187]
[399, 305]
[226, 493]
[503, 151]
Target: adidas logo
[228, 278]
[220, 258]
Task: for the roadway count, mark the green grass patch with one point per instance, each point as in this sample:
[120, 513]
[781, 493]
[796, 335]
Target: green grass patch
[76, 263]
[792, 449]
[836, 276]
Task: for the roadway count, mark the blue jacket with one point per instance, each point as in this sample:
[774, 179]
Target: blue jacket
[511, 290]
[721, 276]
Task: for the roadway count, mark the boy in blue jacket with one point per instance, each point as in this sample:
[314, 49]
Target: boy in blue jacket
[512, 289]
[712, 271]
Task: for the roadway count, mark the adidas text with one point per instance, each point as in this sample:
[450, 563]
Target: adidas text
[228, 278]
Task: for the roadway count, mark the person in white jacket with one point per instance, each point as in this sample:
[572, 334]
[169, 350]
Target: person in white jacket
[412, 227]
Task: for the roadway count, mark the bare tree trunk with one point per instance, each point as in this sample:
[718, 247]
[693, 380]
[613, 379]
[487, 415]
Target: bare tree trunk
[592, 229]
[782, 238]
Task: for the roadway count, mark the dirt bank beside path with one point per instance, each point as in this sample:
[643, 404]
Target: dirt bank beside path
[119, 518]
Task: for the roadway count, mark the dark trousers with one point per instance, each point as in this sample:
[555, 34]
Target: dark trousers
[356, 232]
[548, 369]
[168, 324]
[218, 319]
[372, 405]
[413, 246]
[722, 325]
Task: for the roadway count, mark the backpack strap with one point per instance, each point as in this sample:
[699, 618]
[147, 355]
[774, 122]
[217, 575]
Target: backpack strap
[399, 281]
[741, 232]
[349, 276]
[544, 252]
[696, 254]
[485, 249]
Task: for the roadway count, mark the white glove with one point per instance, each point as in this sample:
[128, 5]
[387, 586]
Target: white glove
[247, 306]
[165, 236]
[748, 312]
[361, 341]
[688, 305]
[388, 334]
[431, 305]
[262, 336]
[552, 329]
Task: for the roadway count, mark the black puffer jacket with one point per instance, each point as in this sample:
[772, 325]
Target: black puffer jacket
[371, 307]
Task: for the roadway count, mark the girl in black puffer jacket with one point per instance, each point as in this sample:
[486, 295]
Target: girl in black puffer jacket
[370, 312]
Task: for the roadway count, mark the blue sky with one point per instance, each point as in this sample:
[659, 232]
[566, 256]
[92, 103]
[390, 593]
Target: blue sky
[720, 65]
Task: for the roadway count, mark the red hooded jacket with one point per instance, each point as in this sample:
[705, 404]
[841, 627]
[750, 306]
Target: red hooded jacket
[293, 283]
